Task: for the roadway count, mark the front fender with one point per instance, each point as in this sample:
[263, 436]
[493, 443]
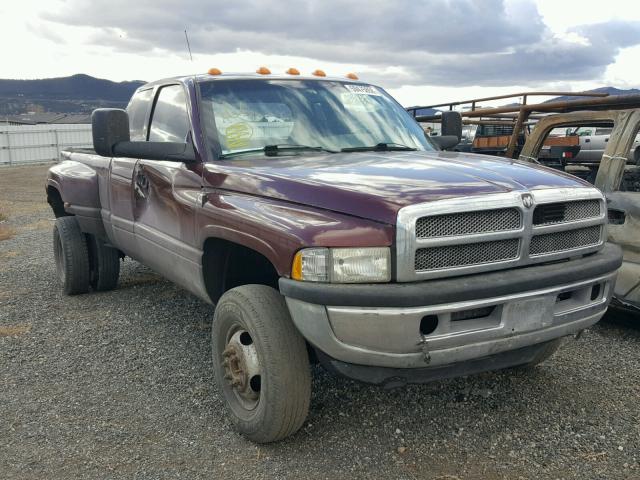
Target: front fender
[278, 229]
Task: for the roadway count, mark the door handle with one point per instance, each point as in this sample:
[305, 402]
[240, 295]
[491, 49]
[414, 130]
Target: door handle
[141, 187]
[587, 140]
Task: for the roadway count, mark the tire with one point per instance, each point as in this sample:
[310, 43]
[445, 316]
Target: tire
[71, 256]
[104, 264]
[260, 363]
[545, 353]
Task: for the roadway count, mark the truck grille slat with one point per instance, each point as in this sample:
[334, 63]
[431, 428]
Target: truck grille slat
[566, 240]
[467, 223]
[452, 256]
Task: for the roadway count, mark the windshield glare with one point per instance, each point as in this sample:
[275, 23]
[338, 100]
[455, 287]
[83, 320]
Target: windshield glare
[250, 114]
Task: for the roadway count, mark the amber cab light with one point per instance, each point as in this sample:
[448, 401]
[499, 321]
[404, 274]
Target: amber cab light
[263, 71]
[214, 71]
[293, 71]
[319, 73]
[352, 76]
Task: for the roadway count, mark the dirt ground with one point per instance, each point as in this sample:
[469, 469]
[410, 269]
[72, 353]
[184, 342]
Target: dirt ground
[119, 385]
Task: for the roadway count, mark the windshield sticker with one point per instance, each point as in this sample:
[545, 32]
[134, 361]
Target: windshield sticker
[249, 124]
[359, 103]
[363, 89]
[238, 135]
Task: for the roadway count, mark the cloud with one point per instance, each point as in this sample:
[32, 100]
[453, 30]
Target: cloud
[402, 42]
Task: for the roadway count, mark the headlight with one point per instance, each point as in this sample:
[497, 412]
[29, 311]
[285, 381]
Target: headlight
[342, 265]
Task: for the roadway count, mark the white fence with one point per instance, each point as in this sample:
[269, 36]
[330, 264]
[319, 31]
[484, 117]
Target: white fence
[22, 144]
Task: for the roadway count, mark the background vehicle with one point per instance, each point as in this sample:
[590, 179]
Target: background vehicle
[617, 177]
[593, 142]
[324, 225]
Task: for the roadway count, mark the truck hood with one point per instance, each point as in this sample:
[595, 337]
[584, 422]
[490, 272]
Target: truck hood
[375, 185]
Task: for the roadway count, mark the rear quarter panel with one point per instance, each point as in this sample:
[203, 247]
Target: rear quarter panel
[82, 181]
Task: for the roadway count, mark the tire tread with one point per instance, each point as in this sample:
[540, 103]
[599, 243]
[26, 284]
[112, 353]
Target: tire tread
[75, 255]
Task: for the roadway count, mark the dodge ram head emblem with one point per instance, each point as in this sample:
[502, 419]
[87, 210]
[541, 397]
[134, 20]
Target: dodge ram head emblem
[527, 200]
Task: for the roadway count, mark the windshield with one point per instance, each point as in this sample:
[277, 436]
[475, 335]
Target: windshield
[250, 115]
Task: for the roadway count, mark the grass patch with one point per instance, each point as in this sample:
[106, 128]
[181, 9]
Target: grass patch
[14, 330]
[6, 233]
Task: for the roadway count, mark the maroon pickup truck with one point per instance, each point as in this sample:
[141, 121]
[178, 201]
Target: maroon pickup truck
[325, 227]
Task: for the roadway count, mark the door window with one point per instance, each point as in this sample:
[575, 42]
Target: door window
[137, 109]
[170, 122]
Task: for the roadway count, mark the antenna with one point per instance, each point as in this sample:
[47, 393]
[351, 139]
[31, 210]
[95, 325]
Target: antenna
[188, 46]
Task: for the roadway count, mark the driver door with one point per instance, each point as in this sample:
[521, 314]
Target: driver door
[166, 194]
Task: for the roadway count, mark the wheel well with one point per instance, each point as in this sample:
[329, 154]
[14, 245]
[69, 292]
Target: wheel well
[55, 200]
[226, 265]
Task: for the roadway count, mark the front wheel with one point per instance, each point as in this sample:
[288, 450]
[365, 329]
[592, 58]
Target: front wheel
[261, 363]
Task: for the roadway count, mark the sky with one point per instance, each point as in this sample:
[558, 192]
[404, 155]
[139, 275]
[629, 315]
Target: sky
[421, 51]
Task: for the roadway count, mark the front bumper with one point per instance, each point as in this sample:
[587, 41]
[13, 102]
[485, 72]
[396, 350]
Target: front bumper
[526, 306]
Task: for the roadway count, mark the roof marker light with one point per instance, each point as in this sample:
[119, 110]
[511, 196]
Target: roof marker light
[352, 76]
[214, 71]
[263, 71]
[293, 71]
[319, 73]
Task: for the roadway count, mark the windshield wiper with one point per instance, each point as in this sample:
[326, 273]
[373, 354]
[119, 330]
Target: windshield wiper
[273, 150]
[380, 147]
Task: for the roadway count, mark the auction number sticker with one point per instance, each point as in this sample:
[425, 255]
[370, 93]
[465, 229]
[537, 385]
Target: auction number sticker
[363, 89]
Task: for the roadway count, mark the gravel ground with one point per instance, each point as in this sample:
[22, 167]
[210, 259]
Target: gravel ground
[119, 385]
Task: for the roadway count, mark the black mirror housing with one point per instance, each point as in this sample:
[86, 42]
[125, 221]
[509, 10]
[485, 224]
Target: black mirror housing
[109, 126]
[110, 129]
[171, 151]
[445, 141]
[451, 124]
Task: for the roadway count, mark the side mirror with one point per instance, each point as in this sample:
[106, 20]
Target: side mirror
[451, 124]
[109, 126]
[110, 129]
[445, 141]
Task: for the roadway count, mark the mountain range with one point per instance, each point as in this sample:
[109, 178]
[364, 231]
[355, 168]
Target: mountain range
[75, 94]
[83, 93]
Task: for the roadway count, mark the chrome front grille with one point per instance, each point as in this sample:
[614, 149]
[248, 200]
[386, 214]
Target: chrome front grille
[466, 223]
[565, 241]
[466, 254]
[475, 234]
[551, 213]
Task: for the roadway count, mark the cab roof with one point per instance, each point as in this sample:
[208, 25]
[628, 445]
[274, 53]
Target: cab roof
[201, 77]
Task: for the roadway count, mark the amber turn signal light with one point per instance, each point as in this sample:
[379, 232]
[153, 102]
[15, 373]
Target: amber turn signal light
[296, 268]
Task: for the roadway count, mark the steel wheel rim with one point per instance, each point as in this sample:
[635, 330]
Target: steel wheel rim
[242, 372]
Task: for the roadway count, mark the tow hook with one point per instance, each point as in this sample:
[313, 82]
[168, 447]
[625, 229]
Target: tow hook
[425, 349]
